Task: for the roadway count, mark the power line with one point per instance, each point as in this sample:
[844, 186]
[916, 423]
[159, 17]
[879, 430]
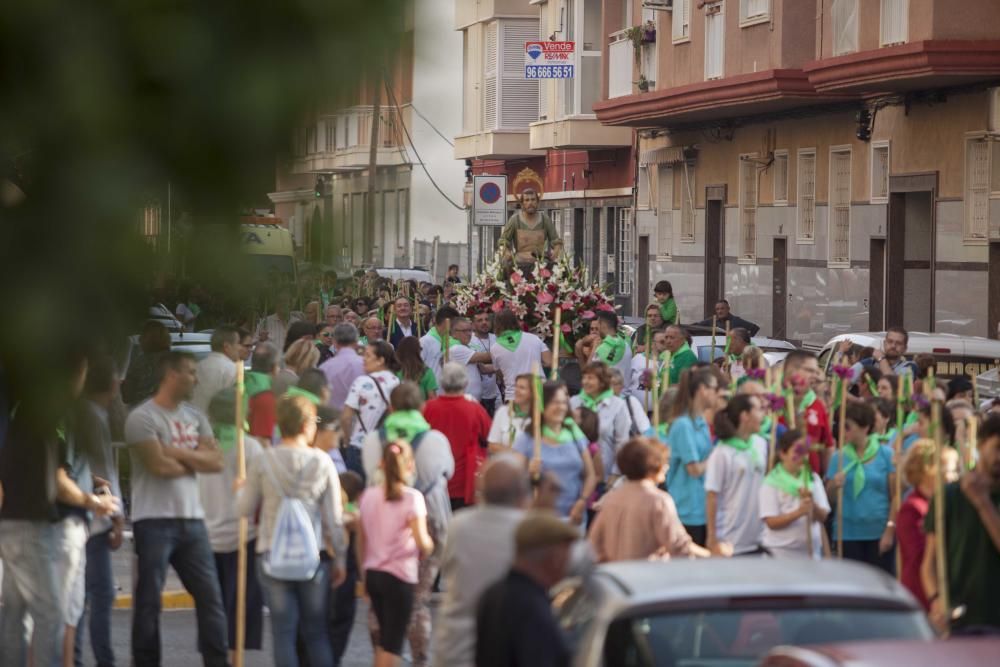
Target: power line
[409, 140]
[446, 139]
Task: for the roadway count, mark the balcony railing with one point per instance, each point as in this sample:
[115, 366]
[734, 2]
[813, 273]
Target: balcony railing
[342, 140]
[621, 54]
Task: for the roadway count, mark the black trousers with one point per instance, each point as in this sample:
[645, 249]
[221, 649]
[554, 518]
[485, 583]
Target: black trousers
[698, 533]
[866, 551]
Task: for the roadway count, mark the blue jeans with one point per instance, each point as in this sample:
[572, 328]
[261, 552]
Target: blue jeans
[100, 600]
[183, 544]
[31, 587]
[298, 608]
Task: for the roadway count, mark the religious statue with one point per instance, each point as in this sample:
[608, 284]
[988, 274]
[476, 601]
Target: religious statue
[529, 234]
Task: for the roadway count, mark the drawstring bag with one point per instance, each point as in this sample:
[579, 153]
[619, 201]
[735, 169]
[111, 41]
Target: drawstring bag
[294, 553]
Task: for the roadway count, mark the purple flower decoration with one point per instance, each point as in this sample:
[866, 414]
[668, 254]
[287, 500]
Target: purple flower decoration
[777, 402]
[843, 372]
[920, 401]
[756, 374]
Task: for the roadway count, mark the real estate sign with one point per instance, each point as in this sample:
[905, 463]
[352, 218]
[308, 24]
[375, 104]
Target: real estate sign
[549, 60]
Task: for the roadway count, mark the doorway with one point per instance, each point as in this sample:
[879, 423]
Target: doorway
[910, 241]
[779, 279]
[993, 309]
[876, 286]
[595, 243]
[715, 200]
[642, 279]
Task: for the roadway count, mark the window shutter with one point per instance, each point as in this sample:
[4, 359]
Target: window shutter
[748, 209]
[781, 178]
[880, 173]
[840, 206]
[895, 21]
[490, 88]
[715, 34]
[752, 9]
[518, 96]
[682, 19]
[977, 191]
[649, 65]
[543, 86]
[665, 211]
[642, 188]
[845, 26]
[687, 205]
[807, 196]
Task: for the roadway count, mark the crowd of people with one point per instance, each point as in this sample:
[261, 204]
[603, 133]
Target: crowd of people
[396, 446]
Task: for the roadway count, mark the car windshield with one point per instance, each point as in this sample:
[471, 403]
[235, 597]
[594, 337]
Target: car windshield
[736, 638]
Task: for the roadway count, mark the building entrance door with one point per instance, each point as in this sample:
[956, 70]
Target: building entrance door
[993, 318]
[876, 286]
[642, 279]
[780, 299]
[909, 281]
[715, 238]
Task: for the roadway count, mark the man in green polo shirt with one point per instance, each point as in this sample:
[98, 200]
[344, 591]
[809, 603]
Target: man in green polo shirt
[972, 538]
[681, 356]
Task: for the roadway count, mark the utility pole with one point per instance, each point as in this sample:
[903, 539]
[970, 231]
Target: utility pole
[368, 234]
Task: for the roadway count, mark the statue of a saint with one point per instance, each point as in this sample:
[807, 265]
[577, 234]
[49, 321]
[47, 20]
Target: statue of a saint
[529, 234]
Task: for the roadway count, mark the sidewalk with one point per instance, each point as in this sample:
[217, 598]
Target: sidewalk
[174, 596]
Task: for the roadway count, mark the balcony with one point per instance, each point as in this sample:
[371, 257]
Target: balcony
[494, 145]
[621, 55]
[341, 142]
[571, 132]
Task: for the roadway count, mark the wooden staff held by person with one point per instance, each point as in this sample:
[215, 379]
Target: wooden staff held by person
[241, 553]
[842, 435]
[556, 337]
[536, 417]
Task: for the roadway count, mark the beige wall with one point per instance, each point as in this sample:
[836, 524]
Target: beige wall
[473, 11]
[929, 139]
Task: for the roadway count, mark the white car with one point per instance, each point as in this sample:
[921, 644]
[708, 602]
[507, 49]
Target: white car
[728, 612]
[774, 349]
[955, 355]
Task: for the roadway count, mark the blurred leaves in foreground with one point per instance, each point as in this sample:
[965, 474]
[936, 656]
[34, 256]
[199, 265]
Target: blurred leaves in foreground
[106, 101]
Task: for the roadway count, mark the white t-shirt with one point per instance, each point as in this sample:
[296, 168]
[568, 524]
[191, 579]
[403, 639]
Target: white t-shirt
[156, 497]
[639, 419]
[460, 354]
[215, 373]
[221, 517]
[504, 430]
[366, 401]
[614, 423]
[430, 353]
[635, 387]
[527, 354]
[790, 541]
[488, 381]
[736, 477]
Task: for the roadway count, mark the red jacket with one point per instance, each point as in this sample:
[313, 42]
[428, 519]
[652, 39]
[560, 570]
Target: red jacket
[818, 431]
[466, 425]
[262, 415]
[912, 542]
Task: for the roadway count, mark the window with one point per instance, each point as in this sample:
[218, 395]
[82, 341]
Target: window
[840, 206]
[754, 11]
[845, 26]
[780, 177]
[806, 232]
[490, 60]
[895, 22]
[664, 211]
[715, 41]
[509, 100]
[682, 21]
[649, 64]
[977, 189]
[748, 208]
[582, 25]
[642, 188]
[620, 57]
[626, 251]
[880, 172]
[687, 204]
[543, 86]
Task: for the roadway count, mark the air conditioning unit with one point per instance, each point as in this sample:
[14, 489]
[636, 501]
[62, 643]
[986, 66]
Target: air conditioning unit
[993, 121]
[661, 5]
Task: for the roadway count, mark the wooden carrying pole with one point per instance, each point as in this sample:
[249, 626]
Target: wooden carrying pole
[897, 491]
[807, 490]
[715, 321]
[241, 554]
[941, 553]
[772, 443]
[536, 413]
[656, 405]
[447, 338]
[556, 336]
[648, 354]
[840, 468]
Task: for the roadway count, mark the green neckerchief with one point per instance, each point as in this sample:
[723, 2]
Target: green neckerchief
[363, 341]
[405, 424]
[786, 482]
[226, 436]
[889, 436]
[765, 427]
[452, 341]
[194, 308]
[872, 387]
[510, 339]
[662, 431]
[518, 413]
[682, 349]
[851, 454]
[807, 399]
[570, 432]
[257, 383]
[743, 446]
[592, 403]
[612, 349]
[298, 391]
[910, 420]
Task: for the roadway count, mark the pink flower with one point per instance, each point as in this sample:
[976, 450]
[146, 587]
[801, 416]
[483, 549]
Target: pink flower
[588, 314]
[566, 305]
[497, 306]
[545, 297]
[606, 307]
[566, 328]
[545, 273]
[515, 278]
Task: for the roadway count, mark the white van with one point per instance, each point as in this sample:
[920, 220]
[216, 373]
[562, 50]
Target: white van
[955, 355]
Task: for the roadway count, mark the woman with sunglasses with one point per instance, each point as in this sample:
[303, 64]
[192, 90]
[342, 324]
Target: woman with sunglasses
[324, 343]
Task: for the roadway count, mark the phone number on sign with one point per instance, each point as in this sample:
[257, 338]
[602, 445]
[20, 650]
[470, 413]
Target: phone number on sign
[548, 71]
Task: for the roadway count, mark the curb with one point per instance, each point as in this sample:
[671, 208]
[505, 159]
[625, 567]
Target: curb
[168, 600]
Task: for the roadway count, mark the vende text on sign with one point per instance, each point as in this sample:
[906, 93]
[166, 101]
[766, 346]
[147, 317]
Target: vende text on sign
[549, 60]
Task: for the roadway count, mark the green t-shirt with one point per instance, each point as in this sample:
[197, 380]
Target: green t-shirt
[668, 311]
[973, 561]
[684, 359]
[428, 382]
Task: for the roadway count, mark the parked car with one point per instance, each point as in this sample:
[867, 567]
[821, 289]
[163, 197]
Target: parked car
[728, 612]
[198, 344]
[988, 384]
[162, 314]
[775, 350]
[962, 652]
[955, 355]
[419, 275]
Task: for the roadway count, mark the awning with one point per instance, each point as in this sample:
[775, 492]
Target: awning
[665, 155]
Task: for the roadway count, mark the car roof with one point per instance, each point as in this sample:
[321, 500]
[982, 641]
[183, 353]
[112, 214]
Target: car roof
[758, 341]
[692, 580]
[962, 652]
[920, 341]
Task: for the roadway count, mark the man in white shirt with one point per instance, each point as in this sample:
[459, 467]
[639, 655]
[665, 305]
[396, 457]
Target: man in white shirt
[636, 386]
[217, 371]
[483, 340]
[274, 327]
[465, 355]
[432, 345]
[516, 352]
[479, 549]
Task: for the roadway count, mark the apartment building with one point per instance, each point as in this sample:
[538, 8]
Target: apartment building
[544, 134]
[826, 165]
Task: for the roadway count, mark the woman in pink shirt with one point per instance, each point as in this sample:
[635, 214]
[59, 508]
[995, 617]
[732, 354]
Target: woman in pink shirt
[391, 539]
[638, 520]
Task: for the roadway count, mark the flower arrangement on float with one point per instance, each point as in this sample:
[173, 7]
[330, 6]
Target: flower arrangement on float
[533, 293]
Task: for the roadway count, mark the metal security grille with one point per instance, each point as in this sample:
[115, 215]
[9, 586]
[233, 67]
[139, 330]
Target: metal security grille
[748, 209]
[840, 207]
[626, 252]
[977, 189]
[807, 196]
